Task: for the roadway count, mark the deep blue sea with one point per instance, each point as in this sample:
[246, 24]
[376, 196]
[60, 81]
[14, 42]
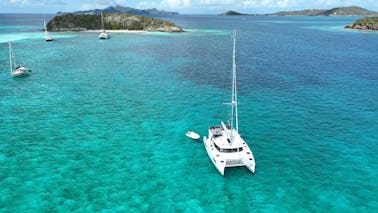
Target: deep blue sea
[99, 125]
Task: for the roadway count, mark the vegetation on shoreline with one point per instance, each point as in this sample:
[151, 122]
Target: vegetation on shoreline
[367, 23]
[337, 11]
[81, 22]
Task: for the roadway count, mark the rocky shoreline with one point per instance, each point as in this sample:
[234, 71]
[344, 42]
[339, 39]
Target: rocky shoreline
[362, 27]
[367, 23]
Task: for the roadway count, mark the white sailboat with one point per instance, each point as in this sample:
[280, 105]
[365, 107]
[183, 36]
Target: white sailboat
[47, 37]
[14, 69]
[103, 34]
[224, 145]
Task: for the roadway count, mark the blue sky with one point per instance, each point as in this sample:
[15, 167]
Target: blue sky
[181, 6]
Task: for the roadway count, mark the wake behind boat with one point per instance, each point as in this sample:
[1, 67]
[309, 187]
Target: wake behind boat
[16, 70]
[224, 146]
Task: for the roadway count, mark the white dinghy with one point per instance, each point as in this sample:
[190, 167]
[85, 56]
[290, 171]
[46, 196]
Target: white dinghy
[192, 135]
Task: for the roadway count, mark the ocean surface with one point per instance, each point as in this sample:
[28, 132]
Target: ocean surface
[99, 125]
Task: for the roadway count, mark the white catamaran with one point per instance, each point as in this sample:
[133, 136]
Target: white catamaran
[14, 69]
[224, 145]
[103, 34]
[47, 37]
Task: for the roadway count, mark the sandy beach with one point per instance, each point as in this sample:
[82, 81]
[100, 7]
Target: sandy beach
[116, 31]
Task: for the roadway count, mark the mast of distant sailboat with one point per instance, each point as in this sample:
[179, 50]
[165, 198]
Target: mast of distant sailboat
[102, 23]
[12, 60]
[47, 37]
[10, 57]
[44, 25]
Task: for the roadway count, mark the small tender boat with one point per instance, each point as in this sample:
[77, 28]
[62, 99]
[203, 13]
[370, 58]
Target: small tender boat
[192, 135]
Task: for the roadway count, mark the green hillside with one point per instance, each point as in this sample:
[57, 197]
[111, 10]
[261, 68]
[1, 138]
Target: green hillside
[111, 22]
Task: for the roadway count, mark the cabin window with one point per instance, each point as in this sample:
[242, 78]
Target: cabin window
[228, 150]
[231, 150]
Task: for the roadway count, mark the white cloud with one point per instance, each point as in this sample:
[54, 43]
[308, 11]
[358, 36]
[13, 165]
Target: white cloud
[206, 4]
[97, 4]
[17, 2]
[146, 5]
[265, 3]
[175, 3]
[185, 6]
[33, 3]
[216, 2]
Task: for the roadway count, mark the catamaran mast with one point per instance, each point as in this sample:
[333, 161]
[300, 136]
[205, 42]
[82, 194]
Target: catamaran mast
[234, 92]
[10, 57]
[102, 23]
[44, 25]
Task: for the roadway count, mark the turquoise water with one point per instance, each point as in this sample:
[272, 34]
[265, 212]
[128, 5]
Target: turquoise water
[100, 125]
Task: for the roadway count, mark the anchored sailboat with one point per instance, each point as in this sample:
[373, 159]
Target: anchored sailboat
[103, 34]
[47, 37]
[224, 145]
[14, 69]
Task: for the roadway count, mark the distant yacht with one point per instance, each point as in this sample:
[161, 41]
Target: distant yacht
[47, 37]
[14, 69]
[103, 34]
[224, 145]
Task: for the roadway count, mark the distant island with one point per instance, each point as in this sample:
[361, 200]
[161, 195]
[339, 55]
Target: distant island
[338, 11]
[83, 22]
[367, 23]
[231, 13]
[124, 10]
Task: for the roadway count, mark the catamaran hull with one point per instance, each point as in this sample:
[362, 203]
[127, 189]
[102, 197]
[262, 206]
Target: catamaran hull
[22, 71]
[217, 161]
[104, 36]
[16, 74]
[221, 162]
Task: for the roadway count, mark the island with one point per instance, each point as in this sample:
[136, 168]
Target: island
[232, 13]
[83, 22]
[338, 11]
[367, 23]
[123, 10]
